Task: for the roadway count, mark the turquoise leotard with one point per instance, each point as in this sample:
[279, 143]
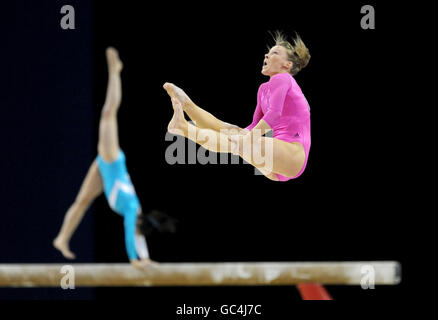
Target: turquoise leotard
[121, 196]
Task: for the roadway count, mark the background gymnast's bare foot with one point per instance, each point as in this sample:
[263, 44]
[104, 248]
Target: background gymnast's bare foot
[62, 245]
[115, 65]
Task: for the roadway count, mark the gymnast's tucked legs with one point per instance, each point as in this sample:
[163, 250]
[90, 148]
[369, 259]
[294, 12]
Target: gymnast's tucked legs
[287, 158]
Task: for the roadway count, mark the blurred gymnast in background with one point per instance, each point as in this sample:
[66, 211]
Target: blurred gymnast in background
[108, 173]
[281, 107]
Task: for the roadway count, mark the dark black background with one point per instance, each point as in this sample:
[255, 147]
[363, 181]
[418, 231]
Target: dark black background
[344, 207]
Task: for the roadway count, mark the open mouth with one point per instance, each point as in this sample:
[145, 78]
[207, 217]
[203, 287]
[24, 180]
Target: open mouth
[265, 63]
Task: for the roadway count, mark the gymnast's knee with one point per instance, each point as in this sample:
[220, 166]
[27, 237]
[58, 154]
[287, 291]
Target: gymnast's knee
[108, 113]
[106, 153]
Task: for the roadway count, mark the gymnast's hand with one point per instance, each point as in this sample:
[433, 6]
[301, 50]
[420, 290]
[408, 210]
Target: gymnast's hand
[238, 141]
[144, 263]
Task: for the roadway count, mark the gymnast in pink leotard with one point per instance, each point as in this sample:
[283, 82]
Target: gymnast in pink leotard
[281, 107]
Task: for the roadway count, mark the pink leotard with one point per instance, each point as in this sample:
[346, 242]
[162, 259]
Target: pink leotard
[281, 103]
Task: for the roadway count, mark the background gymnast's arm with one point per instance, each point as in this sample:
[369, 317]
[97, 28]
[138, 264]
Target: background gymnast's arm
[135, 242]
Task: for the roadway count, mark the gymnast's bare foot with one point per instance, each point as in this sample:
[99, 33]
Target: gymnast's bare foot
[174, 92]
[62, 245]
[113, 60]
[178, 124]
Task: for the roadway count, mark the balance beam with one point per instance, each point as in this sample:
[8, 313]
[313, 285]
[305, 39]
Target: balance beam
[201, 274]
